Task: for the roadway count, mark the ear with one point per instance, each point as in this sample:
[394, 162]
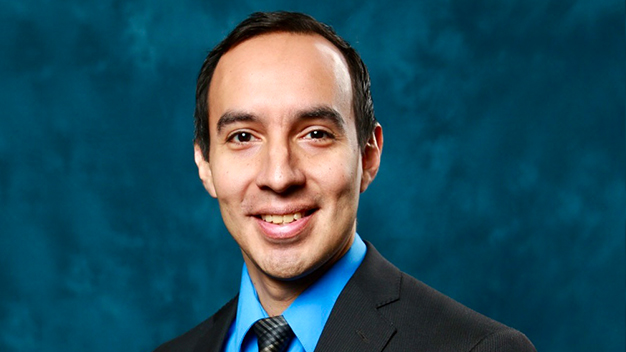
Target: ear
[371, 157]
[204, 170]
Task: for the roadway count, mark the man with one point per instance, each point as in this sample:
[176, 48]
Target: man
[286, 140]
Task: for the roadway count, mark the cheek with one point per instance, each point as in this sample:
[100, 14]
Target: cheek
[227, 185]
[341, 178]
[231, 179]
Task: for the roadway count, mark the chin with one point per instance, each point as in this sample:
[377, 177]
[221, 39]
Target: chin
[286, 272]
[288, 269]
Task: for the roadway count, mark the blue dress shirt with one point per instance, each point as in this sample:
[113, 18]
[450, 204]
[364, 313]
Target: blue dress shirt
[307, 315]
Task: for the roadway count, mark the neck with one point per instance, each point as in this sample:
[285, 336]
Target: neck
[276, 294]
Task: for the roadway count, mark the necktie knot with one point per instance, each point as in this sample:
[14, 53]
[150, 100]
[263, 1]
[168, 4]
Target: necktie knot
[273, 334]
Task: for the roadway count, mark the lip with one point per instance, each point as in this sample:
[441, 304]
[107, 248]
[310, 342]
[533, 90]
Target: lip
[279, 233]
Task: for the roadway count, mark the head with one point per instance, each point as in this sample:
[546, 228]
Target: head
[260, 23]
[285, 155]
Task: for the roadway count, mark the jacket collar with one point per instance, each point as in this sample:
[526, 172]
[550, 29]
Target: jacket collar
[355, 324]
[213, 339]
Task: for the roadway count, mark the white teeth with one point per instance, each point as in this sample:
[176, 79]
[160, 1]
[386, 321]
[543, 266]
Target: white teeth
[282, 219]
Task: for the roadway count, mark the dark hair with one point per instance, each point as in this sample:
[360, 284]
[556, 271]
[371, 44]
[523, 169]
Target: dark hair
[291, 22]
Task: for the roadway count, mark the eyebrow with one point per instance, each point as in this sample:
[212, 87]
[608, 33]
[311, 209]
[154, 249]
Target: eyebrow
[326, 113]
[230, 117]
[318, 112]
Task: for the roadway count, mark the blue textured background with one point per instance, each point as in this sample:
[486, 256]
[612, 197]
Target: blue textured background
[502, 182]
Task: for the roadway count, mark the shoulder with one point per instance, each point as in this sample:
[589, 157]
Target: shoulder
[207, 332]
[449, 325]
[428, 318]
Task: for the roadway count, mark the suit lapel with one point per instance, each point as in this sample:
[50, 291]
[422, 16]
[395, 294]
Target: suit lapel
[214, 338]
[355, 324]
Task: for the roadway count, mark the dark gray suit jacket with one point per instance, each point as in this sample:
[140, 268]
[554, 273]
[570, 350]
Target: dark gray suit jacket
[381, 309]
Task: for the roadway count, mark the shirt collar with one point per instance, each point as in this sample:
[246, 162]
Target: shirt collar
[308, 314]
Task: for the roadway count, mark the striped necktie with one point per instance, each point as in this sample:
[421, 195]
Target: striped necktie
[273, 334]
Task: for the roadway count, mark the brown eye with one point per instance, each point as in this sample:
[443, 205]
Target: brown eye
[319, 134]
[241, 137]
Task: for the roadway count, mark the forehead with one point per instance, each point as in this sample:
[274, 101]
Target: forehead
[281, 71]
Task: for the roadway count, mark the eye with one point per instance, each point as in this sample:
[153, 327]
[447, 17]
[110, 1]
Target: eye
[319, 134]
[241, 137]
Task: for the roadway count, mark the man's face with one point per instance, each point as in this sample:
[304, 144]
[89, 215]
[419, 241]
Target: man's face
[284, 161]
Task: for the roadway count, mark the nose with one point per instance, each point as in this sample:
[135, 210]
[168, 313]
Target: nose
[280, 171]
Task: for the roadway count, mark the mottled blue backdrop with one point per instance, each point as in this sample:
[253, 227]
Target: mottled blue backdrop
[502, 184]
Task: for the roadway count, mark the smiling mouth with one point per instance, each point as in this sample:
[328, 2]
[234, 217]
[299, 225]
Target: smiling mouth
[285, 218]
